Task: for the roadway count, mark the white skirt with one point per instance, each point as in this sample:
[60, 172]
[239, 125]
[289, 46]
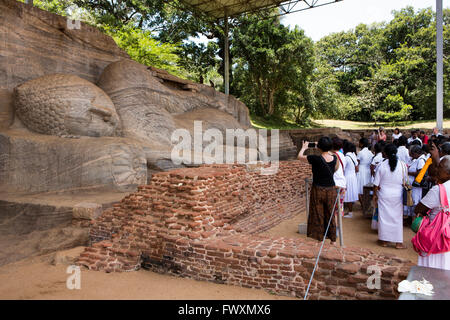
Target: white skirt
[351, 194]
[416, 195]
[438, 261]
[364, 177]
[390, 219]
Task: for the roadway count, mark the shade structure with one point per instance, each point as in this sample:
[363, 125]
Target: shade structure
[223, 9]
[218, 9]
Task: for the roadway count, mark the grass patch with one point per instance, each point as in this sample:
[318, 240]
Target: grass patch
[285, 124]
[282, 124]
[345, 124]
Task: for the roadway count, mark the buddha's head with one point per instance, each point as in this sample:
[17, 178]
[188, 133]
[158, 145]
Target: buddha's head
[62, 104]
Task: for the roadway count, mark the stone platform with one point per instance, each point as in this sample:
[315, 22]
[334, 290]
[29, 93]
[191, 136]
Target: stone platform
[39, 223]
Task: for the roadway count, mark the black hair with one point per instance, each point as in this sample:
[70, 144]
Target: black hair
[325, 144]
[397, 129]
[416, 149]
[426, 148]
[337, 143]
[421, 131]
[364, 142]
[445, 149]
[441, 140]
[402, 141]
[395, 143]
[415, 142]
[391, 154]
[349, 147]
[378, 147]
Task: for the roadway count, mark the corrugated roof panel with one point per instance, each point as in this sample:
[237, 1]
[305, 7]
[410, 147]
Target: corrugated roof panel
[217, 8]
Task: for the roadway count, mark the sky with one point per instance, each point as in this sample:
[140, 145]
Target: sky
[347, 14]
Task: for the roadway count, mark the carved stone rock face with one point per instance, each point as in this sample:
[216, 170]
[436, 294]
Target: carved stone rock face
[62, 104]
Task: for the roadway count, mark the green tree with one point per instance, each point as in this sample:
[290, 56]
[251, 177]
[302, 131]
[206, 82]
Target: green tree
[144, 49]
[277, 63]
[199, 59]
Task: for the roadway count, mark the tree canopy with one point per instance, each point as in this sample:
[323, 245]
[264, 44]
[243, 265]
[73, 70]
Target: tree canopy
[385, 71]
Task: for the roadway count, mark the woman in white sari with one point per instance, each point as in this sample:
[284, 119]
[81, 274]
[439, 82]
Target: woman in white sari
[364, 157]
[432, 202]
[388, 192]
[351, 168]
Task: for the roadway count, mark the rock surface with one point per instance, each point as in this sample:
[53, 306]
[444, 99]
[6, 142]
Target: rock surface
[34, 42]
[41, 163]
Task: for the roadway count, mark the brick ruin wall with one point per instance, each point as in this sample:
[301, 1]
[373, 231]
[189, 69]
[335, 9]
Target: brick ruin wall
[203, 223]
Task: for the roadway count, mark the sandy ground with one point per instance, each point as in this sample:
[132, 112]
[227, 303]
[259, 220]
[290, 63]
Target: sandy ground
[37, 278]
[357, 233]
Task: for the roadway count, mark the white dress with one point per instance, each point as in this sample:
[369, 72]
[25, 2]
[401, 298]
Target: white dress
[390, 201]
[364, 177]
[432, 201]
[376, 161]
[416, 165]
[396, 136]
[339, 177]
[351, 194]
[403, 154]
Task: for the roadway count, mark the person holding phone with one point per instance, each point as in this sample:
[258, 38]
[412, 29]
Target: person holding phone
[323, 192]
[381, 135]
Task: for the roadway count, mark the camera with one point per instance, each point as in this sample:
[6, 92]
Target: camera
[312, 144]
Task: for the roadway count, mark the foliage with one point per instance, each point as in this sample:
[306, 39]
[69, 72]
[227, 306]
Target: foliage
[384, 71]
[400, 110]
[275, 67]
[144, 49]
[199, 60]
[373, 64]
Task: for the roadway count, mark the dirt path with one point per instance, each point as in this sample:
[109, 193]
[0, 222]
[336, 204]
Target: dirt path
[36, 278]
[357, 233]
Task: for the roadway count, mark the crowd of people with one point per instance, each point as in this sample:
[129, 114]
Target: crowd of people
[340, 174]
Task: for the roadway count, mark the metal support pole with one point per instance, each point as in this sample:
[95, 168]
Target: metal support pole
[439, 66]
[341, 231]
[307, 181]
[227, 58]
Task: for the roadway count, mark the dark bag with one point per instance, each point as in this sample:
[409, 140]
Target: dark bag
[407, 188]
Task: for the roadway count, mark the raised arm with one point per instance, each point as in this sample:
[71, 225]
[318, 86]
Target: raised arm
[301, 155]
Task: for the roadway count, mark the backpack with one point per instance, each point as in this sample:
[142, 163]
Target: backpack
[434, 237]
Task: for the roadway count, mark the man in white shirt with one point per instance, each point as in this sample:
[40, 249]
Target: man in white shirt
[436, 132]
[413, 137]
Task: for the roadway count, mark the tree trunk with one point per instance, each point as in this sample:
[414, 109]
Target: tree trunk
[270, 102]
[261, 100]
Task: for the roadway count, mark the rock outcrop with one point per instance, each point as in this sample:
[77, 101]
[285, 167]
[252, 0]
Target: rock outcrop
[34, 42]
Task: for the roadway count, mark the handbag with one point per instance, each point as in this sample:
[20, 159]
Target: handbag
[407, 188]
[433, 237]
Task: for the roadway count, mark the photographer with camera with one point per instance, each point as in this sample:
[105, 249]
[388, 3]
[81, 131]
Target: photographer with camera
[323, 191]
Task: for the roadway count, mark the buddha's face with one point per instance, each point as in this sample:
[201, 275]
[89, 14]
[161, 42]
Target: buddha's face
[92, 114]
[62, 104]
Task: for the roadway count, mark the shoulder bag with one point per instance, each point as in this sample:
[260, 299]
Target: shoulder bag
[434, 237]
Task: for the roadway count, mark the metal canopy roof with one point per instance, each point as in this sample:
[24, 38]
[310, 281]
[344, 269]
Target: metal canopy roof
[218, 9]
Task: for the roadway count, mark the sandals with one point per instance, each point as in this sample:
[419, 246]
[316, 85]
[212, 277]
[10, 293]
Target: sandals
[402, 246]
[383, 243]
